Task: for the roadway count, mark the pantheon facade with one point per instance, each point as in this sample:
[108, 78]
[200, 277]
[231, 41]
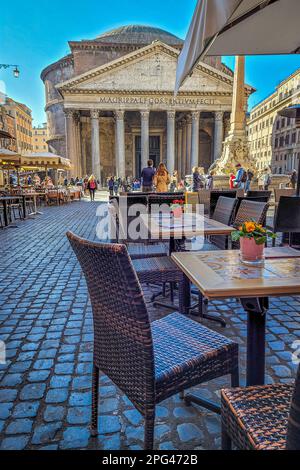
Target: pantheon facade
[110, 105]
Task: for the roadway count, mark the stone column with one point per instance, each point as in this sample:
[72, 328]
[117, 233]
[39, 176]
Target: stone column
[120, 142]
[195, 139]
[179, 149]
[144, 138]
[188, 168]
[183, 152]
[218, 134]
[171, 141]
[78, 143]
[71, 141]
[96, 170]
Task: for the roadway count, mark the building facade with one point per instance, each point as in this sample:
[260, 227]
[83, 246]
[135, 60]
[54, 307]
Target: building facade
[23, 124]
[7, 124]
[110, 105]
[40, 138]
[273, 140]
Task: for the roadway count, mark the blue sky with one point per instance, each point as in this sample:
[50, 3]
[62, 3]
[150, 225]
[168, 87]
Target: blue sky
[35, 33]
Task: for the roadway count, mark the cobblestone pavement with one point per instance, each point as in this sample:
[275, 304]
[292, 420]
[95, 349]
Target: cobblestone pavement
[46, 323]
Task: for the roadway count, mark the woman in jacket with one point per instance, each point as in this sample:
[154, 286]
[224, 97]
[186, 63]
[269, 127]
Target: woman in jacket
[92, 186]
[161, 179]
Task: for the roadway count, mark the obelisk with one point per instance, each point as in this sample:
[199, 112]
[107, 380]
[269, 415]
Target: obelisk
[235, 147]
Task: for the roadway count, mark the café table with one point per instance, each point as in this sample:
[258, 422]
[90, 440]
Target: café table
[34, 196]
[222, 275]
[165, 227]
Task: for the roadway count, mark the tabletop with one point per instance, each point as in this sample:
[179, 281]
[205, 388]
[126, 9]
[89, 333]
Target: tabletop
[221, 274]
[188, 225]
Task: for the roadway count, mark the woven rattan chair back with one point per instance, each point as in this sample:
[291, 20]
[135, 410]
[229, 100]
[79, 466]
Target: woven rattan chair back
[162, 200]
[259, 193]
[123, 348]
[287, 217]
[215, 195]
[293, 433]
[224, 213]
[204, 198]
[251, 210]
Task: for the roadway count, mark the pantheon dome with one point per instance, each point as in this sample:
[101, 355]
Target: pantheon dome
[124, 80]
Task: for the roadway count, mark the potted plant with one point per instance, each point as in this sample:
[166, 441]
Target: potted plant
[252, 237]
[177, 207]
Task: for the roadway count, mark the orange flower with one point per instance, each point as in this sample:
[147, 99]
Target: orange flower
[250, 227]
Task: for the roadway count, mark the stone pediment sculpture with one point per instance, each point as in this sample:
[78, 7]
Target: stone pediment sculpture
[150, 68]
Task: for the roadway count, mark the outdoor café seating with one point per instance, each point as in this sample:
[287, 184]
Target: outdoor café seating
[148, 362]
[262, 417]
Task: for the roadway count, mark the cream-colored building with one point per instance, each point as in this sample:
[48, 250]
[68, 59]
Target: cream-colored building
[273, 140]
[110, 105]
[39, 138]
[23, 124]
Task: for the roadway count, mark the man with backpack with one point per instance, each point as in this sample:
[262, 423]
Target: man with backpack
[267, 179]
[240, 177]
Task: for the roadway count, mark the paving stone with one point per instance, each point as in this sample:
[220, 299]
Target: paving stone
[75, 437]
[79, 415]
[60, 381]
[26, 410]
[10, 380]
[46, 433]
[19, 426]
[80, 398]
[7, 395]
[57, 395]
[54, 413]
[33, 391]
[14, 443]
[37, 376]
[188, 432]
[5, 410]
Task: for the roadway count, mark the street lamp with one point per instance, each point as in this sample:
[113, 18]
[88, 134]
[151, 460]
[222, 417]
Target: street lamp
[293, 112]
[16, 71]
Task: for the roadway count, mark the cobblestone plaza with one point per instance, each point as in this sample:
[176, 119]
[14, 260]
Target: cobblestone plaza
[46, 324]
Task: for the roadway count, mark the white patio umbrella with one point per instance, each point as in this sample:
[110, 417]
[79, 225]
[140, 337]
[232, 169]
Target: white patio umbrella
[239, 27]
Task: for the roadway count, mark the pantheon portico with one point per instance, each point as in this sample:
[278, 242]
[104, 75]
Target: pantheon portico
[110, 116]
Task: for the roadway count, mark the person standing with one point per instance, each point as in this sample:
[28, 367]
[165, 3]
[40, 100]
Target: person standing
[267, 179]
[198, 180]
[162, 179]
[240, 177]
[111, 186]
[92, 186]
[174, 181]
[210, 180]
[249, 180]
[293, 179]
[147, 176]
[231, 180]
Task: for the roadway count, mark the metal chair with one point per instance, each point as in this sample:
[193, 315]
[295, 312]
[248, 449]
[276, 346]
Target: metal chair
[149, 363]
[265, 417]
[287, 217]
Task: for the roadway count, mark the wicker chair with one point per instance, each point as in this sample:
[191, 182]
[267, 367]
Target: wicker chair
[138, 249]
[287, 217]
[224, 213]
[283, 192]
[265, 417]
[149, 363]
[204, 198]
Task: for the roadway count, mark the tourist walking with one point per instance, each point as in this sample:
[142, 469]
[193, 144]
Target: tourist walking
[92, 186]
[111, 183]
[293, 179]
[249, 180]
[147, 176]
[240, 177]
[162, 179]
[198, 179]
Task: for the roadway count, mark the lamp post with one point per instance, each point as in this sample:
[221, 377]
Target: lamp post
[293, 112]
[16, 71]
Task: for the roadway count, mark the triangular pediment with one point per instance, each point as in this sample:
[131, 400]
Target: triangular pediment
[150, 68]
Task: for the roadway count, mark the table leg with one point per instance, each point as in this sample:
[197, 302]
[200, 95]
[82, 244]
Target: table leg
[256, 309]
[24, 206]
[5, 213]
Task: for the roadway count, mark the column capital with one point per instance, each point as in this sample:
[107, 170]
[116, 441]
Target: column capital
[195, 115]
[119, 114]
[145, 114]
[94, 113]
[219, 115]
[77, 117]
[189, 119]
[69, 113]
[171, 114]
[180, 125]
